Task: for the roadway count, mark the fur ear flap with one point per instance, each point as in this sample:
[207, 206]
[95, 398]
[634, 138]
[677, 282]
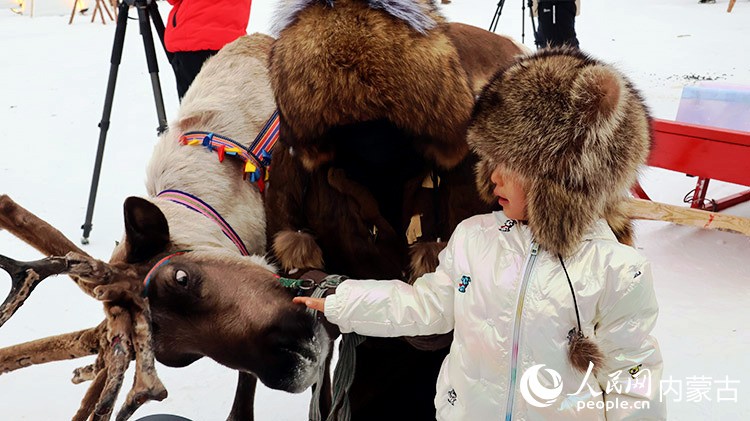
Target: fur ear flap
[146, 230]
[559, 217]
[598, 94]
[620, 222]
[483, 172]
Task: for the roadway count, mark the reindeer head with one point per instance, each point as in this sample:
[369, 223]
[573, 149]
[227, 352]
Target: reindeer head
[201, 303]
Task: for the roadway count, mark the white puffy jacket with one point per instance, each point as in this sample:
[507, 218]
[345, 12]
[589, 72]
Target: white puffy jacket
[499, 292]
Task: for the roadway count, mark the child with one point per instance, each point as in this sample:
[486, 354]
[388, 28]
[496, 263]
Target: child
[543, 284]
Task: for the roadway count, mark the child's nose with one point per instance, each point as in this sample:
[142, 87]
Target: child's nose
[496, 178]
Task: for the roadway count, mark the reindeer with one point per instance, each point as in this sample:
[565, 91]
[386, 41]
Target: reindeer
[176, 288]
[166, 303]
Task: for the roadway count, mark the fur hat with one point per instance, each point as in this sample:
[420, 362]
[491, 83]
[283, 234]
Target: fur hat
[354, 61]
[573, 127]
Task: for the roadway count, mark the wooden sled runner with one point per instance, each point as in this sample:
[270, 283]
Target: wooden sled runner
[708, 153]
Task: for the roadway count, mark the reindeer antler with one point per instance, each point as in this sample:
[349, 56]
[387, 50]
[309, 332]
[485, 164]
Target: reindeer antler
[125, 334]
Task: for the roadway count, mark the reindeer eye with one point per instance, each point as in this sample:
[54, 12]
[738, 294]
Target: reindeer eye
[181, 277]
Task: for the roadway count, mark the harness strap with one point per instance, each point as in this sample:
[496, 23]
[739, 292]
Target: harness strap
[160, 263]
[194, 203]
[257, 157]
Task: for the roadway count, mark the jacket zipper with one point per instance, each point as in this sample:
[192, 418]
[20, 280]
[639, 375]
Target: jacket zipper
[517, 330]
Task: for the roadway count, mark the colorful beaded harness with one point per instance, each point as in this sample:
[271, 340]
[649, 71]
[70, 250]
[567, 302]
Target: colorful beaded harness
[257, 157]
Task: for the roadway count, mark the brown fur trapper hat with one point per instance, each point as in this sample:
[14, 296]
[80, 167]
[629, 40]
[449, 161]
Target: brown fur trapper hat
[575, 128]
[341, 62]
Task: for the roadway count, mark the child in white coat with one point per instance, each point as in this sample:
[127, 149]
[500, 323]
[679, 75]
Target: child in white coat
[551, 314]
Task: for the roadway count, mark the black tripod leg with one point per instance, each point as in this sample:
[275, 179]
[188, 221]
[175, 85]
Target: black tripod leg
[153, 67]
[496, 17]
[153, 11]
[533, 25]
[122, 22]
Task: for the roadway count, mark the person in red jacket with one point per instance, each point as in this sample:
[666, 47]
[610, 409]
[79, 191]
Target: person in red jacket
[197, 29]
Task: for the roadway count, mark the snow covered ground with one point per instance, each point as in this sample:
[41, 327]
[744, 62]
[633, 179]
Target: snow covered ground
[52, 82]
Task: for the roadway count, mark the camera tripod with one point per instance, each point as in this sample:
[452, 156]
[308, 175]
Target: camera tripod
[499, 10]
[147, 12]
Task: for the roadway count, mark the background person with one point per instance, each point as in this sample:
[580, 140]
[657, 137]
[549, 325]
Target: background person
[557, 21]
[198, 29]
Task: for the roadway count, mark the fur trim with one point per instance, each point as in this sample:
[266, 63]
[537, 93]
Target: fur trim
[297, 250]
[582, 351]
[353, 63]
[415, 14]
[574, 127]
[424, 258]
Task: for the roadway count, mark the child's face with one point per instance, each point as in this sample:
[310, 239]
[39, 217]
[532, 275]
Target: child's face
[511, 193]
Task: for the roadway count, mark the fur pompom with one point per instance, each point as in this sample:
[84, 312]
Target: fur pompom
[582, 351]
[297, 250]
[424, 258]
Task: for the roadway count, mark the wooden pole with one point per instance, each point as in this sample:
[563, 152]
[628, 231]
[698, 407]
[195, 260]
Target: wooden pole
[655, 211]
[731, 5]
[73, 13]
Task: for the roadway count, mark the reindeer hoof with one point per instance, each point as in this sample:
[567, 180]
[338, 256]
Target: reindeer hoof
[84, 241]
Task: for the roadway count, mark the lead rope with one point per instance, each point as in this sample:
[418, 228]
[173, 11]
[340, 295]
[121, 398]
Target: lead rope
[343, 377]
[343, 374]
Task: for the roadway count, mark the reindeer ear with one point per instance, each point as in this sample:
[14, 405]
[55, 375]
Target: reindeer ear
[146, 230]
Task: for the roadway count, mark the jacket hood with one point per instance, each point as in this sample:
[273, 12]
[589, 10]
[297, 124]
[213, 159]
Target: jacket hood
[575, 128]
[353, 61]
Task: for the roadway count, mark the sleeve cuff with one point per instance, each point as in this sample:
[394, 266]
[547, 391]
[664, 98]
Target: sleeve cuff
[335, 303]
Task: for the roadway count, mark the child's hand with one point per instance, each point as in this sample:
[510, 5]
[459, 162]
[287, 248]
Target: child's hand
[313, 303]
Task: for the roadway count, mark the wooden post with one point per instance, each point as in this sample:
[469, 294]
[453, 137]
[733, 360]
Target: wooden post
[655, 211]
[73, 13]
[731, 5]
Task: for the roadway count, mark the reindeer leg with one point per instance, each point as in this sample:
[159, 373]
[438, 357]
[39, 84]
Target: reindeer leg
[55, 348]
[33, 230]
[244, 398]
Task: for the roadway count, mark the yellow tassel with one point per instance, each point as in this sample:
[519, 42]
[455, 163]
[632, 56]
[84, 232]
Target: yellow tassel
[249, 167]
[195, 142]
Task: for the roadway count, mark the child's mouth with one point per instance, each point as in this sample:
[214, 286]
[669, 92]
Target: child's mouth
[503, 201]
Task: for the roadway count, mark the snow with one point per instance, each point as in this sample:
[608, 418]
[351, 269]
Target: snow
[52, 85]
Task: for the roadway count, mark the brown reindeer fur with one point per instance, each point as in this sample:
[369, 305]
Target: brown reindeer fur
[325, 73]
